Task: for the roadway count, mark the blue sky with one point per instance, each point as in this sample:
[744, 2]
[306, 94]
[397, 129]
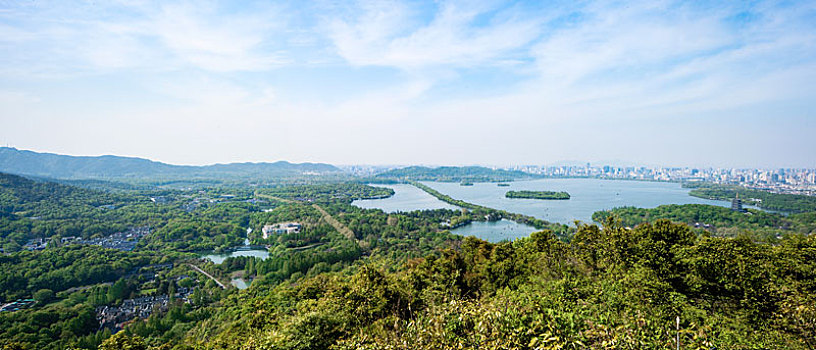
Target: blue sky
[729, 84]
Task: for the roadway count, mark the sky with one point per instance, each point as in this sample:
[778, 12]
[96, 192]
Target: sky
[673, 83]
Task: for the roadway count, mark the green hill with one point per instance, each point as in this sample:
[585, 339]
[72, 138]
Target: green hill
[58, 166]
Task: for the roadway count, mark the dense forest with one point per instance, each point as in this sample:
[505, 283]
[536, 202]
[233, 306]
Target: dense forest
[354, 278]
[763, 199]
[717, 220]
[186, 221]
[609, 287]
[550, 195]
[345, 192]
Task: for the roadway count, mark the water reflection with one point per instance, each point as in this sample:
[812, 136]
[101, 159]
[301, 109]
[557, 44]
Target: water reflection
[406, 198]
[495, 231]
[218, 258]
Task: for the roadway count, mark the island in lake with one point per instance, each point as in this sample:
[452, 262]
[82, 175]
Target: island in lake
[537, 195]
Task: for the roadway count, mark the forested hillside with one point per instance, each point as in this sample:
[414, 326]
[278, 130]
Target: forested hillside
[609, 287]
[353, 278]
[45, 210]
[58, 166]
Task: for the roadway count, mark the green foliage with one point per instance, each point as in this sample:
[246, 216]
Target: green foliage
[122, 341]
[63, 268]
[195, 235]
[537, 195]
[717, 220]
[610, 287]
[43, 296]
[30, 209]
[795, 203]
[53, 327]
[403, 281]
[344, 192]
[397, 235]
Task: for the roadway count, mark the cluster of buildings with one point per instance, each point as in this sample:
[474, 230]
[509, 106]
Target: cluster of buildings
[126, 240]
[280, 228]
[36, 244]
[797, 181]
[115, 317]
[367, 170]
[19, 304]
[203, 198]
[787, 180]
[121, 240]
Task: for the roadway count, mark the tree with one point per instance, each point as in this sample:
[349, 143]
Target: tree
[43, 296]
[121, 341]
[11, 247]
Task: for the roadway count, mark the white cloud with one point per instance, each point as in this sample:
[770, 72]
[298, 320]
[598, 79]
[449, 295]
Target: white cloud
[666, 59]
[211, 42]
[389, 34]
[148, 36]
[440, 82]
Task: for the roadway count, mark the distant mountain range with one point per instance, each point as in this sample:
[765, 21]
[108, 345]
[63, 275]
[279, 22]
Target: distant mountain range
[451, 173]
[59, 166]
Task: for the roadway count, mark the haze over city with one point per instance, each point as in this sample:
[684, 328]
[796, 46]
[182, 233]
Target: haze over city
[482, 82]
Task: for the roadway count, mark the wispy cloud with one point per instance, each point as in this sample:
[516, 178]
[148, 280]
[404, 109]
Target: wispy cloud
[661, 54]
[391, 34]
[347, 74]
[205, 40]
[160, 36]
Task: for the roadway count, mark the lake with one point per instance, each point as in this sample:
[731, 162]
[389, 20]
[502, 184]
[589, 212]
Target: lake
[587, 197]
[406, 198]
[218, 258]
[246, 250]
[495, 231]
[239, 283]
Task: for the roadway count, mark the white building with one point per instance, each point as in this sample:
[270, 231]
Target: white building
[280, 228]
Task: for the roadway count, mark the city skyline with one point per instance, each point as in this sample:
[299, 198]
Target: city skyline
[701, 84]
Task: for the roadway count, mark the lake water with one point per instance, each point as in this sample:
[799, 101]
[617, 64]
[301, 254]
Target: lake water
[246, 250]
[239, 283]
[495, 231]
[219, 258]
[406, 198]
[586, 196]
